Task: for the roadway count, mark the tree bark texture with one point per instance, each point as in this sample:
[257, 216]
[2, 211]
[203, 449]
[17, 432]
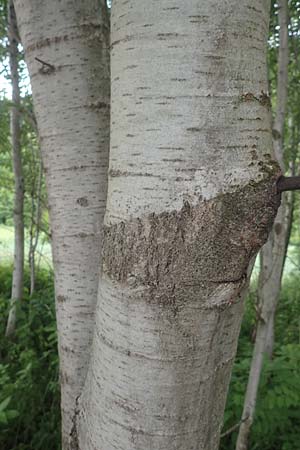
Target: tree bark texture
[67, 52]
[191, 199]
[36, 211]
[18, 270]
[274, 251]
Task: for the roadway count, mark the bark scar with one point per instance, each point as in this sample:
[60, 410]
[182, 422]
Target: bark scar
[263, 98]
[74, 443]
[195, 248]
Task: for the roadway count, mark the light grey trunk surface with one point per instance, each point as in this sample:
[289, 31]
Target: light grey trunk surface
[273, 252]
[18, 270]
[66, 48]
[36, 211]
[191, 199]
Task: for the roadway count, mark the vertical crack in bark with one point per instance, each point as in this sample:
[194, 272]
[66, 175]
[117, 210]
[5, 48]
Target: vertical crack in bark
[74, 441]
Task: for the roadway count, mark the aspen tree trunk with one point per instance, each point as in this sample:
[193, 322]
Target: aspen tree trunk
[191, 199]
[273, 252]
[18, 270]
[66, 48]
[36, 210]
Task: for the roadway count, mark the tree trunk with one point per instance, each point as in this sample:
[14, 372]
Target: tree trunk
[35, 223]
[66, 48]
[273, 255]
[18, 271]
[269, 347]
[273, 252]
[191, 199]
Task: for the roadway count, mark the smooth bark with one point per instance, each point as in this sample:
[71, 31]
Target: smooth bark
[34, 233]
[18, 270]
[66, 49]
[273, 252]
[191, 199]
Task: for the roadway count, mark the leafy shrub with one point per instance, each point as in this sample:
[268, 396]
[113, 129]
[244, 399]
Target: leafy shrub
[29, 392]
[277, 421]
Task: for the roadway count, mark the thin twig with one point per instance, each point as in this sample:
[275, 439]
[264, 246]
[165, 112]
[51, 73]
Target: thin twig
[46, 67]
[234, 427]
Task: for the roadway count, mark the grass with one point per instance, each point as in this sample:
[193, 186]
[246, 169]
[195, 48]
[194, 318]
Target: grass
[43, 253]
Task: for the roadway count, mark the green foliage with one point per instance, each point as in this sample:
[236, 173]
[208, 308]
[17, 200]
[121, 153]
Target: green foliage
[288, 311]
[30, 166]
[6, 174]
[277, 421]
[29, 389]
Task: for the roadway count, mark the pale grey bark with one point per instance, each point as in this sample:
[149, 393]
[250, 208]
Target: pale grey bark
[18, 270]
[191, 199]
[273, 252]
[269, 346]
[34, 232]
[66, 49]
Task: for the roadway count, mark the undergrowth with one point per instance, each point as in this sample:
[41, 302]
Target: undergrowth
[29, 388]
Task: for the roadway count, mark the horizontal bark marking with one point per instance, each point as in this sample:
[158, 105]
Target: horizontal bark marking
[119, 173]
[123, 40]
[263, 98]
[46, 42]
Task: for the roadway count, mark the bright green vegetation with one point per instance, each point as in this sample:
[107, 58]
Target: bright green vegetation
[29, 388]
[277, 420]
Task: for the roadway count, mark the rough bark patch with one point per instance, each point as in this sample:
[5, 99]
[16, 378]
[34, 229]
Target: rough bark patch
[74, 444]
[211, 242]
[82, 201]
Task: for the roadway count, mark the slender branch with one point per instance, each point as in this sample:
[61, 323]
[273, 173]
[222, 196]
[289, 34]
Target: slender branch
[234, 427]
[43, 229]
[46, 67]
[288, 184]
[26, 111]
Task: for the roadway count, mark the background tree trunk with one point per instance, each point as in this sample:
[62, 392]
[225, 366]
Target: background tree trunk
[18, 271]
[34, 231]
[66, 48]
[274, 251]
[191, 199]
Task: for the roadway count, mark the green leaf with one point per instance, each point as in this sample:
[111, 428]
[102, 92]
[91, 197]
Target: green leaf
[4, 404]
[12, 414]
[3, 418]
